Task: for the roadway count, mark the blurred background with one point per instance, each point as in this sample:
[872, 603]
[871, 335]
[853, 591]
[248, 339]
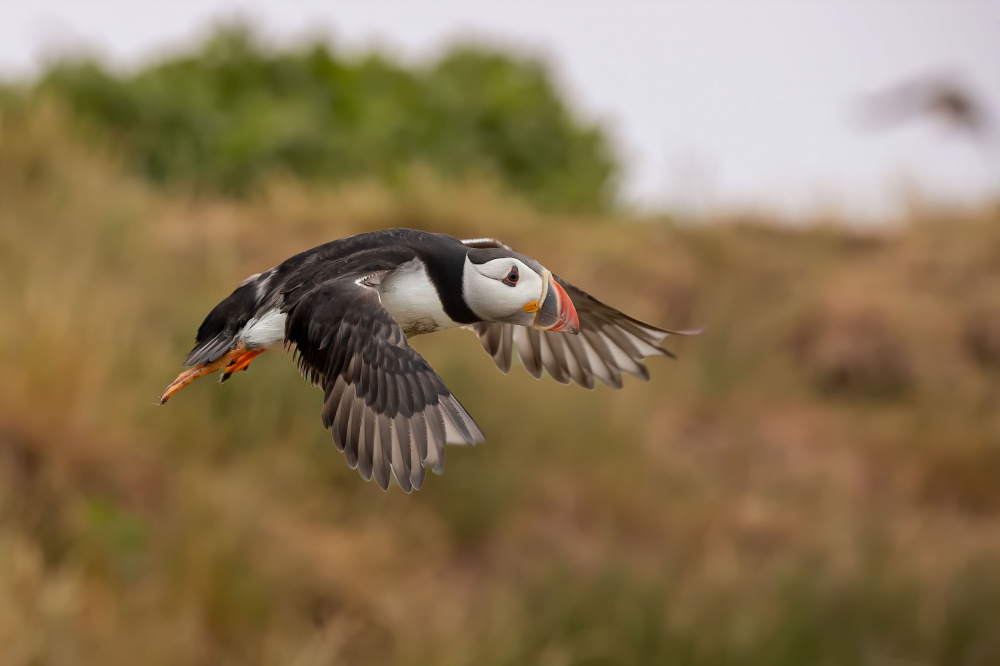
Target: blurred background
[814, 481]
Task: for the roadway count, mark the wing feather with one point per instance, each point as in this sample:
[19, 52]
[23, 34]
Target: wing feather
[386, 408]
[382, 451]
[401, 446]
[526, 349]
[549, 359]
[366, 444]
[578, 348]
[609, 343]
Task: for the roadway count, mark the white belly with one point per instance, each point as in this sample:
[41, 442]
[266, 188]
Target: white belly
[266, 331]
[407, 294]
[410, 297]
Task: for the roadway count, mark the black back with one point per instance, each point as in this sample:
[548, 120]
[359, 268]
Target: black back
[288, 282]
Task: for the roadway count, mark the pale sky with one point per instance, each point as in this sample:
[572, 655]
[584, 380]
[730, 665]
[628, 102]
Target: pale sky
[711, 104]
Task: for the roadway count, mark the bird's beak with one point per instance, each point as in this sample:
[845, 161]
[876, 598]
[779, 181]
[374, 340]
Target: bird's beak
[556, 312]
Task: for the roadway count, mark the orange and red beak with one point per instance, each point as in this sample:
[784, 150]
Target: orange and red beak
[557, 312]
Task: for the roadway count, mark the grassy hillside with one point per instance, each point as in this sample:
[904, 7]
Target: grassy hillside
[814, 481]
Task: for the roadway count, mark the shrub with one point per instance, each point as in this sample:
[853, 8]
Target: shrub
[231, 111]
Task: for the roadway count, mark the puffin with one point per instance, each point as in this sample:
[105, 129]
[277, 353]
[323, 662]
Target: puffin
[347, 309]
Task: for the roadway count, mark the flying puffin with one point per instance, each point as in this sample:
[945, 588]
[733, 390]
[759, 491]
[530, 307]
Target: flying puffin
[348, 307]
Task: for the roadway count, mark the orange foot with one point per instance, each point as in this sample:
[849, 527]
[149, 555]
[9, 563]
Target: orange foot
[241, 362]
[232, 361]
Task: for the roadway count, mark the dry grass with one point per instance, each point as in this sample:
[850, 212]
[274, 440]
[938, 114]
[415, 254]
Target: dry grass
[813, 482]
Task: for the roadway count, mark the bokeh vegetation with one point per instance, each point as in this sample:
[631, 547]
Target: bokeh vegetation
[812, 482]
[232, 111]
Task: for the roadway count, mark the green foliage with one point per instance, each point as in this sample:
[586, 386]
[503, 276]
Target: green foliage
[231, 112]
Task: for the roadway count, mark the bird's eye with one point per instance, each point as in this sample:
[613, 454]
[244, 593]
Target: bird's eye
[511, 278]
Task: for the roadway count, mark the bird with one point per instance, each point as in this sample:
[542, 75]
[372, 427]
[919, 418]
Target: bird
[945, 97]
[347, 308]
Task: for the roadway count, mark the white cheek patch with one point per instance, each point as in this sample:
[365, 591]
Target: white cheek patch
[477, 290]
[493, 300]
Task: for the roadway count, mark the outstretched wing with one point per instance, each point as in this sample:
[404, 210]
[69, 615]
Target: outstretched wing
[608, 344]
[385, 405]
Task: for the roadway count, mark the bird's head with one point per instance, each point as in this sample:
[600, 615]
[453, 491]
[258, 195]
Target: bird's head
[505, 286]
